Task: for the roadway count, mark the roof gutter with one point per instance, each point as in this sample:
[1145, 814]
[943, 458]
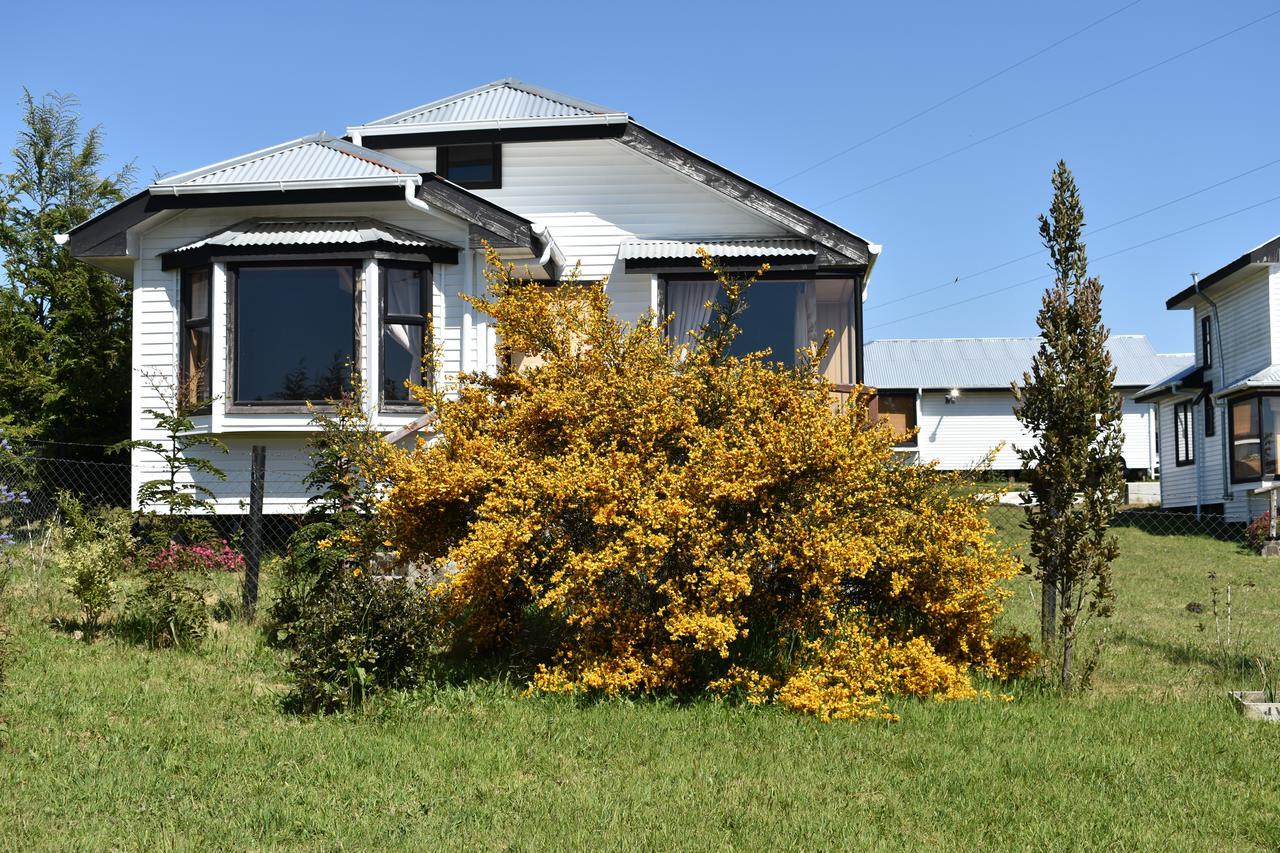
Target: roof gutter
[279, 186]
[358, 132]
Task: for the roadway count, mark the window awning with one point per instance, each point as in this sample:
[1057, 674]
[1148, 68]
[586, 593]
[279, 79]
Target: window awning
[310, 236]
[761, 248]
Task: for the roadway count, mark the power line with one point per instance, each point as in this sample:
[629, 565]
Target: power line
[962, 92]
[1025, 282]
[1050, 112]
[1089, 232]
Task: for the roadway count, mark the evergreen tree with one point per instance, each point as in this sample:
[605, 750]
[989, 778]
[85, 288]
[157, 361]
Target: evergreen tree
[1069, 406]
[64, 326]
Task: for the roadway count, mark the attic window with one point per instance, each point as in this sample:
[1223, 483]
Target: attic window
[476, 167]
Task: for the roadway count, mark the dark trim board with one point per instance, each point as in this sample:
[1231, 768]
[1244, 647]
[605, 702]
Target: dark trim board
[748, 264]
[1217, 509]
[1267, 253]
[774, 274]
[428, 139]
[859, 373]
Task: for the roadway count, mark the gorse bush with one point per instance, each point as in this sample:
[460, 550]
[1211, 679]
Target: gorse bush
[683, 522]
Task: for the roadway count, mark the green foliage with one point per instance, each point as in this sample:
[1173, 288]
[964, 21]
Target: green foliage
[306, 565]
[167, 611]
[359, 634]
[99, 547]
[1069, 406]
[176, 492]
[64, 326]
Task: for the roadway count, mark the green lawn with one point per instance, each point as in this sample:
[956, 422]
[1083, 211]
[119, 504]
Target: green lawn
[107, 745]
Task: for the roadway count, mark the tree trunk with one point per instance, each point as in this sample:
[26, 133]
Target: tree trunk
[1048, 608]
[1067, 634]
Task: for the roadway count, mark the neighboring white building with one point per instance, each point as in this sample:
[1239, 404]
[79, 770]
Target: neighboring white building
[957, 390]
[1220, 417]
[265, 275]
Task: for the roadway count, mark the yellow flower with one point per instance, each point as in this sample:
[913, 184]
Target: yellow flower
[355, 573]
[323, 544]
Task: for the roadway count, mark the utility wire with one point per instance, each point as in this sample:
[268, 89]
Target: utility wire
[1088, 232]
[984, 81]
[1049, 112]
[1025, 282]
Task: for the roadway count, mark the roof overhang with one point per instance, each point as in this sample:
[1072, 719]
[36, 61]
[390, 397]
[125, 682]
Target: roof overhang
[1190, 380]
[1267, 253]
[381, 136]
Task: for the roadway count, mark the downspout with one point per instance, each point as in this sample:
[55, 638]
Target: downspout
[1222, 383]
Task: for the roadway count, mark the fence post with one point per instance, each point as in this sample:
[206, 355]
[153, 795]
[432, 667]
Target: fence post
[253, 531]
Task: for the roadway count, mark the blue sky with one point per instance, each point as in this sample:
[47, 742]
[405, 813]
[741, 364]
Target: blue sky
[767, 90]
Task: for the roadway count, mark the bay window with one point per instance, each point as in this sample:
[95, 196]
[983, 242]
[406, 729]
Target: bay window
[1255, 445]
[294, 331]
[406, 293]
[195, 343]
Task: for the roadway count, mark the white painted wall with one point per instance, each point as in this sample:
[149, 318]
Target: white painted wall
[960, 434]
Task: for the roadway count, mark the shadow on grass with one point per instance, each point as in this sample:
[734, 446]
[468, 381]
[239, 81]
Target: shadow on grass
[1227, 664]
[1161, 522]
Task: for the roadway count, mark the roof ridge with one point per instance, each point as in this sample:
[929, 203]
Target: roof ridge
[569, 101]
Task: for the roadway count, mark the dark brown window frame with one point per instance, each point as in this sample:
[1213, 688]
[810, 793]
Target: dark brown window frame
[1206, 341]
[442, 167]
[1183, 430]
[1260, 436]
[913, 425]
[186, 325]
[386, 318]
[234, 404]
[1210, 412]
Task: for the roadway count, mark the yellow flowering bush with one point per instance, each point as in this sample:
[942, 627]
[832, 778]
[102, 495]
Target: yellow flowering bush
[689, 521]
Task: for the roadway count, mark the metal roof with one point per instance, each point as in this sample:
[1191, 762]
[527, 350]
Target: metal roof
[311, 158]
[500, 100]
[1267, 377]
[758, 247]
[977, 363]
[305, 232]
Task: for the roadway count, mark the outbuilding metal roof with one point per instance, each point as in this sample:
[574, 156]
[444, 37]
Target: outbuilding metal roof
[501, 100]
[985, 363]
[758, 247]
[319, 157]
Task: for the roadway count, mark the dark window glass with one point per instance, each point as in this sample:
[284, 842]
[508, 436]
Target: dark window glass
[405, 300]
[295, 330]
[1182, 438]
[1210, 413]
[1206, 342]
[900, 411]
[475, 166]
[195, 343]
[769, 323]
[1255, 438]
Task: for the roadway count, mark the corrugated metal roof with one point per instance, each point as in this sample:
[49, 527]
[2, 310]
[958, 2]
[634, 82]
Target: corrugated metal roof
[1267, 377]
[758, 247]
[303, 232]
[996, 362]
[501, 99]
[311, 158]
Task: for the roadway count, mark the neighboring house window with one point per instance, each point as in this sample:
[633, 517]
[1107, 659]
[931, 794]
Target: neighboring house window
[294, 332]
[1210, 412]
[900, 411]
[406, 294]
[1182, 422]
[1253, 424]
[196, 343]
[1206, 342]
[477, 167]
[776, 318]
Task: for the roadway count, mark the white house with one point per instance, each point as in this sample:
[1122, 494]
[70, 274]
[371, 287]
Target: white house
[1219, 415]
[263, 277]
[957, 391]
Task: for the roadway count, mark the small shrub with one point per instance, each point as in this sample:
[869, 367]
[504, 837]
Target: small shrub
[358, 634]
[310, 564]
[89, 573]
[167, 611]
[1257, 532]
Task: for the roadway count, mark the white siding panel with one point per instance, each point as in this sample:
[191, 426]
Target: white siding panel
[1177, 483]
[960, 434]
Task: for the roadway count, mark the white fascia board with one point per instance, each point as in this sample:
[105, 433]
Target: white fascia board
[269, 186]
[363, 130]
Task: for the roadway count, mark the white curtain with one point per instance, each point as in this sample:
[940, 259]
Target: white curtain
[690, 302]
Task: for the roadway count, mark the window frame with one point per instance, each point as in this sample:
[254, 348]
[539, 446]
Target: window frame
[385, 318]
[1183, 432]
[1260, 437]
[234, 403]
[186, 324]
[494, 183]
[1206, 341]
[913, 426]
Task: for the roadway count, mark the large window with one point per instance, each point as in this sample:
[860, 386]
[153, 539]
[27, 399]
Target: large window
[900, 411]
[1255, 445]
[406, 293]
[294, 332]
[1183, 448]
[195, 343]
[776, 317]
[477, 167]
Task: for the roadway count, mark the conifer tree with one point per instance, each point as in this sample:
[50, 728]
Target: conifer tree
[1069, 405]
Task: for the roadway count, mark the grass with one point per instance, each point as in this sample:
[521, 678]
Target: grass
[108, 745]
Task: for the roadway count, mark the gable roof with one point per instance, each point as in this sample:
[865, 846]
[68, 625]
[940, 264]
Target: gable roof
[1267, 253]
[995, 363]
[502, 100]
[318, 157]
